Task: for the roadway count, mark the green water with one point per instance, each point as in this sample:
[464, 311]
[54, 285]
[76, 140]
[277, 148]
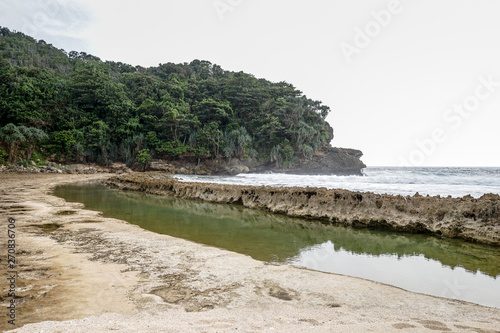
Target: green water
[425, 264]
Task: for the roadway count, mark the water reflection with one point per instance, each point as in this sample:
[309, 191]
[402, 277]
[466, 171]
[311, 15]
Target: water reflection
[419, 263]
[411, 272]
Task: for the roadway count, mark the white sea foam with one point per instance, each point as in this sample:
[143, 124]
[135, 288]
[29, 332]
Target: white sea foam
[456, 182]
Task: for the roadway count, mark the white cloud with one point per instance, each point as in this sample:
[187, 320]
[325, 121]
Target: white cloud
[55, 21]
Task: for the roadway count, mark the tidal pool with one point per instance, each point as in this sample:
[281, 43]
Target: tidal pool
[419, 263]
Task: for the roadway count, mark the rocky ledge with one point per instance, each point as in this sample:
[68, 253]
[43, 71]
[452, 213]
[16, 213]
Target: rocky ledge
[328, 161]
[338, 161]
[466, 218]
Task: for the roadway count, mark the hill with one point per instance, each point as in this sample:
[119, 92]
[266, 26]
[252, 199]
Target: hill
[74, 107]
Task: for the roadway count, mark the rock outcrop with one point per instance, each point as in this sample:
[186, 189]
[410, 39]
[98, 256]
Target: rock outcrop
[329, 161]
[465, 218]
[337, 161]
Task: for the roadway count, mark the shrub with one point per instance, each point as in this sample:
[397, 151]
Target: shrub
[143, 158]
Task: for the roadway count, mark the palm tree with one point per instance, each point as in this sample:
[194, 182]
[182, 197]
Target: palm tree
[12, 137]
[33, 136]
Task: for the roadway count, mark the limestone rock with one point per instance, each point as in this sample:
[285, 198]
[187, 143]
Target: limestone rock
[329, 161]
[466, 218]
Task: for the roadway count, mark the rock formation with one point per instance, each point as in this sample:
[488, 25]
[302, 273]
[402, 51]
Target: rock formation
[466, 218]
[329, 161]
[337, 161]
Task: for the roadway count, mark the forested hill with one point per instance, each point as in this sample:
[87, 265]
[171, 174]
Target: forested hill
[77, 108]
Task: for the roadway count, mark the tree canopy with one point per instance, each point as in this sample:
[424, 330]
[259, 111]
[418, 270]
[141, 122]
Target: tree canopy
[79, 108]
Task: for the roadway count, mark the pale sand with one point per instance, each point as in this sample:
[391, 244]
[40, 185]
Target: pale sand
[96, 274]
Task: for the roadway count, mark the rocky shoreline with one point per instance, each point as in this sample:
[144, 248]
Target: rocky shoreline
[328, 161]
[51, 167]
[81, 272]
[467, 218]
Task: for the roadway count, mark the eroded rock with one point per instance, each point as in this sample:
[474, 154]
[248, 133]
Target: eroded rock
[466, 218]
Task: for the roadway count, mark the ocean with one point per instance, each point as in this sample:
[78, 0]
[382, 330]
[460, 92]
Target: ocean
[443, 181]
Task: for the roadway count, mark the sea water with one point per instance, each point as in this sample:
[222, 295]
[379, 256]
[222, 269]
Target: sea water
[455, 182]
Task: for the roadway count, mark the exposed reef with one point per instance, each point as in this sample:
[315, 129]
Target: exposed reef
[466, 218]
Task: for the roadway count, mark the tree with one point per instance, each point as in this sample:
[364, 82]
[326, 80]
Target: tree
[94, 92]
[140, 87]
[271, 129]
[12, 137]
[6, 79]
[106, 111]
[210, 138]
[69, 142]
[307, 151]
[173, 116]
[98, 142]
[237, 143]
[209, 110]
[32, 137]
[143, 158]
[275, 155]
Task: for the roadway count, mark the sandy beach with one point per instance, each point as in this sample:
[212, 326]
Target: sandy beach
[80, 272]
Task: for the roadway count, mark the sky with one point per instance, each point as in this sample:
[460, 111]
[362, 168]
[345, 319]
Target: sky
[410, 83]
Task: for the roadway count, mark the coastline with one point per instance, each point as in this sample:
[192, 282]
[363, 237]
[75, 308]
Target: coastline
[104, 274]
[467, 218]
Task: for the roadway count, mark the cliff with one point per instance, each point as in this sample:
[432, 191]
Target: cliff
[336, 161]
[466, 218]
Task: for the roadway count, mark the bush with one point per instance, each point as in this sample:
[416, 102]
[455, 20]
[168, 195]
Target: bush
[38, 158]
[143, 159]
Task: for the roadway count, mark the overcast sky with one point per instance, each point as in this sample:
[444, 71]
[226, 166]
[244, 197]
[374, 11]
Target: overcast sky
[409, 82]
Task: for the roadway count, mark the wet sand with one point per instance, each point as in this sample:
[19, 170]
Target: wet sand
[81, 272]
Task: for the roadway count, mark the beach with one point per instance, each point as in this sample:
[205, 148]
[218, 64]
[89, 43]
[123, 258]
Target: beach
[80, 272]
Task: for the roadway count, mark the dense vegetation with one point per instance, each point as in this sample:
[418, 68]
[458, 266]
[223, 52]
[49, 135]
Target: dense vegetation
[76, 108]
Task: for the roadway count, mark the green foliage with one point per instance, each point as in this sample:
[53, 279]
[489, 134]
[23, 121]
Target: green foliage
[69, 142]
[143, 158]
[172, 148]
[307, 151]
[32, 136]
[283, 155]
[12, 137]
[102, 112]
[38, 158]
[288, 153]
[152, 139]
[20, 138]
[209, 138]
[237, 143]
[3, 156]
[209, 110]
